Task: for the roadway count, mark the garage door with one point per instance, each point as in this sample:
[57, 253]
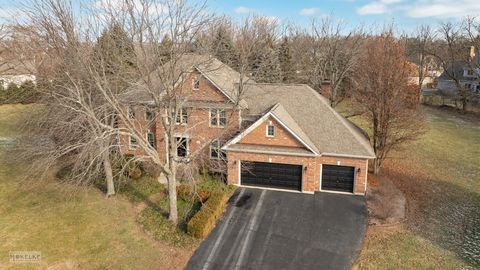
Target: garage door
[272, 175]
[338, 178]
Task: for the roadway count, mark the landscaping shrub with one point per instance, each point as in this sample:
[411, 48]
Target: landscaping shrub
[150, 168]
[134, 171]
[203, 222]
[186, 193]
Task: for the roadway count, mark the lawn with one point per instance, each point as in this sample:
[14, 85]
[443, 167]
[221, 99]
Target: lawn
[72, 227]
[440, 177]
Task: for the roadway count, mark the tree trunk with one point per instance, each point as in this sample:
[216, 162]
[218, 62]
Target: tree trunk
[108, 174]
[376, 166]
[464, 104]
[172, 194]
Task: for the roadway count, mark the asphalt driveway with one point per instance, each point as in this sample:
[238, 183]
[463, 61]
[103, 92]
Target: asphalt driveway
[265, 229]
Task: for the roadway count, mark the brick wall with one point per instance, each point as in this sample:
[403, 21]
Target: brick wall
[311, 175]
[360, 176]
[197, 128]
[309, 164]
[282, 136]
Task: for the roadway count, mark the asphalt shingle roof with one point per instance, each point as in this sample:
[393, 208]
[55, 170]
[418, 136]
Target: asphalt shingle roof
[302, 109]
[325, 128]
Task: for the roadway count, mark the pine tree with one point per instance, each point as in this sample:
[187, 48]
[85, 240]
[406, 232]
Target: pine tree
[285, 59]
[223, 47]
[165, 49]
[27, 92]
[115, 53]
[3, 93]
[266, 65]
[12, 93]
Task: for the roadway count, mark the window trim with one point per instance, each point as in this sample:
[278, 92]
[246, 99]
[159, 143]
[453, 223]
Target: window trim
[180, 116]
[187, 150]
[195, 81]
[218, 150]
[217, 117]
[270, 124]
[154, 146]
[130, 145]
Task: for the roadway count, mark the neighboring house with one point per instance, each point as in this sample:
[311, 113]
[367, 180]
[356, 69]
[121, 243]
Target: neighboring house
[15, 72]
[429, 79]
[466, 72]
[281, 136]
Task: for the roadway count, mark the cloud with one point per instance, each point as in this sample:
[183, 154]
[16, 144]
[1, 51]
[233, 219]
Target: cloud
[242, 10]
[442, 9]
[372, 8]
[309, 11]
[423, 8]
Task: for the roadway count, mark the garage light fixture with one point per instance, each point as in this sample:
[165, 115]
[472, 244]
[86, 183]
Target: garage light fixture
[358, 170]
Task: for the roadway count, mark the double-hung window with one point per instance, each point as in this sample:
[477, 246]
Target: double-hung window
[182, 146]
[196, 83]
[133, 142]
[151, 139]
[215, 150]
[182, 116]
[218, 118]
[270, 130]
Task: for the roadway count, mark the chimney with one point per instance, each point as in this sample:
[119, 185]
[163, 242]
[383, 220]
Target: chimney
[472, 53]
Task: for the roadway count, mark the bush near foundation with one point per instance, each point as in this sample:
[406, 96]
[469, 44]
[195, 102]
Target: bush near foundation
[204, 220]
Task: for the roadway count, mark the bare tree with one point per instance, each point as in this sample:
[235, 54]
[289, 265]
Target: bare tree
[422, 44]
[451, 53]
[75, 117]
[389, 101]
[335, 55]
[472, 28]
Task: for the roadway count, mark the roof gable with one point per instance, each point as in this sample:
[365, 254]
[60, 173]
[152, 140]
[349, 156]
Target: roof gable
[328, 131]
[280, 116]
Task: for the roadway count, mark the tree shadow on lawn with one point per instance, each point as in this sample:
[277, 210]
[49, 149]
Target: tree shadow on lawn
[446, 214]
[153, 216]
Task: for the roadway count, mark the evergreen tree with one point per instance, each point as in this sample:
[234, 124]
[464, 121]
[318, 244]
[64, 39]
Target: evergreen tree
[3, 93]
[223, 47]
[11, 94]
[266, 65]
[115, 53]
[28, 92]
[165, 49]
[285, 59]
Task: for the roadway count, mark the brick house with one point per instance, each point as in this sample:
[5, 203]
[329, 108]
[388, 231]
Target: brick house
[279, 136]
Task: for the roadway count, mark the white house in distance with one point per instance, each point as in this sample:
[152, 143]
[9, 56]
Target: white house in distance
[467, 72]
[16, 72]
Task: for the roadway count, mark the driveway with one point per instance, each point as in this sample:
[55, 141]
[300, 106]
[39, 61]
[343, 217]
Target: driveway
[265, 229]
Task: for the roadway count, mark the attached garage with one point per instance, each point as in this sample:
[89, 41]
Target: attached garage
[338, 178]
[272, 175]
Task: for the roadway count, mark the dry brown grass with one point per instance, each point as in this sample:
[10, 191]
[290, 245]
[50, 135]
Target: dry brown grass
[73, 228]
[439, 176]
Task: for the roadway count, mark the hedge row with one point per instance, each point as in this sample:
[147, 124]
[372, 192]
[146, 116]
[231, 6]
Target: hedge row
[186, 193]
[204, 220]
